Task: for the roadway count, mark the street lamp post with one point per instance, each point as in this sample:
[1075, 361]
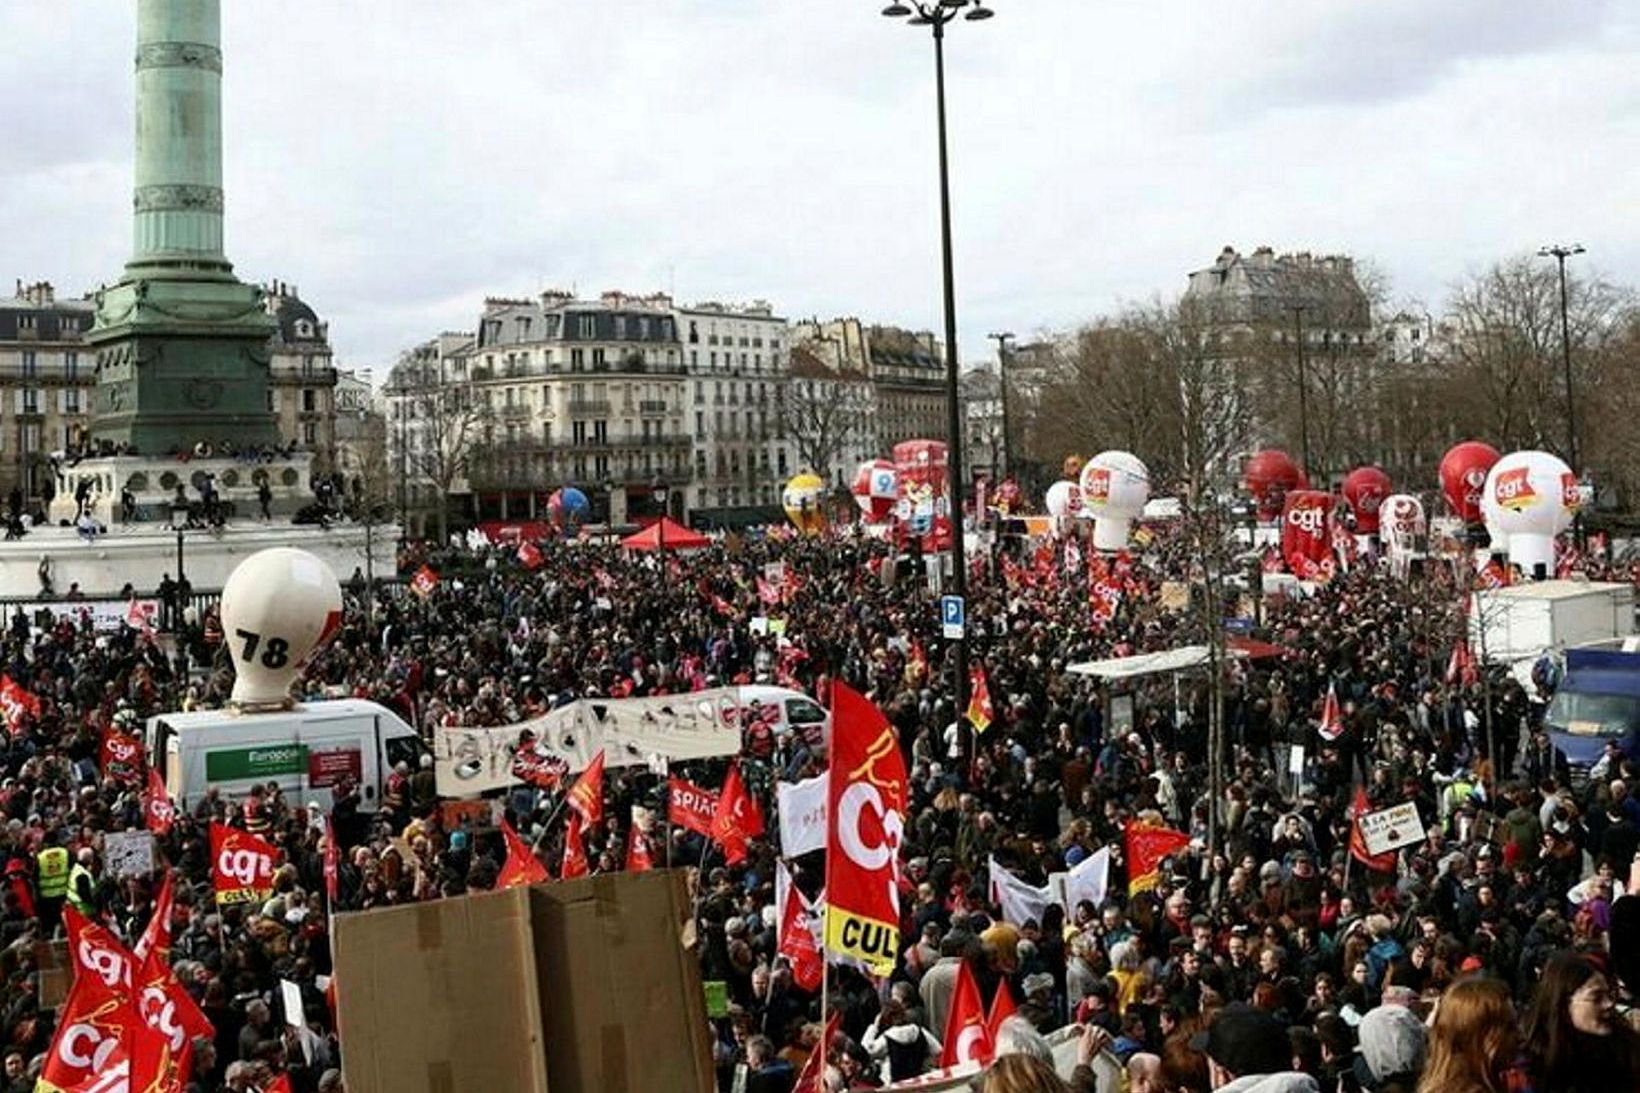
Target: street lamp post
[935, 14]
[1002, 340]
[1303, 388]
[1560, 252]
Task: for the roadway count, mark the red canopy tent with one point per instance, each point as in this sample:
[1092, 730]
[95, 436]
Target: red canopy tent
[677, 537]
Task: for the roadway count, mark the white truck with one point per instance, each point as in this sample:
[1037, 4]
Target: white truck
[1520, 622]
[306, 750]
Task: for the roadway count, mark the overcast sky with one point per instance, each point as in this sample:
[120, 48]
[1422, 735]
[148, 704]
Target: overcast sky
[399, 161]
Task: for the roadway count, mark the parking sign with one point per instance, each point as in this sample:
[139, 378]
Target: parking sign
[952, 616]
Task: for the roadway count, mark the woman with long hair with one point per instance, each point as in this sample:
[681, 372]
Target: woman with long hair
[1019, 1074]
[1473, 1041]
[1574, 1038]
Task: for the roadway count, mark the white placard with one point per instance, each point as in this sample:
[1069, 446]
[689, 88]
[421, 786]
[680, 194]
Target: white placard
[292, 995]
[1392, 828]
[128, 853]
[1295, 760]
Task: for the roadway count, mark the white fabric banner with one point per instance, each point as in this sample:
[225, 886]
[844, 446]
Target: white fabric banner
[629, 731]
[802, 815]
[1087, 881]
[1020, 902]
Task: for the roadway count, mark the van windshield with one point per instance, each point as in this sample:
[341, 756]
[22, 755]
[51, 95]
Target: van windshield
[800, 711]
[1583, 714]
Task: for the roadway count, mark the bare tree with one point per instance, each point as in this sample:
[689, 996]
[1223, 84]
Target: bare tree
[445, 427]
[1502, 343]
[821, 415]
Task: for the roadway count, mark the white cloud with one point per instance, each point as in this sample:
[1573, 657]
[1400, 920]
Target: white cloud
[399, 162]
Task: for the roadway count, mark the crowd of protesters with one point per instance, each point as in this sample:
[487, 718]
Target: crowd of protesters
[1496, 954]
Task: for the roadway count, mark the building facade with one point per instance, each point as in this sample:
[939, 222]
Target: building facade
[738, 362]
[559, 392]
[302, 375]
[830, 416]
[47, 376]
[906, 369]
[982, 417]
[1294, 324]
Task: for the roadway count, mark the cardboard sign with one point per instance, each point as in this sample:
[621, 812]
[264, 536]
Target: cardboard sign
[1392, 828]
[128, 853]
[717, 998]
[1175, 596]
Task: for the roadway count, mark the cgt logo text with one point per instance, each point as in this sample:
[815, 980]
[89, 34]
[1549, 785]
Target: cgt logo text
[160, 1014]
[105, 964]
[86, 1047]
[1513, 489]
[1308, 520]
[244, 866]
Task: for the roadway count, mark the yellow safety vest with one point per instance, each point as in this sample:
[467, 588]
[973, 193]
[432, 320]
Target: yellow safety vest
[74, 888]
[53, 866]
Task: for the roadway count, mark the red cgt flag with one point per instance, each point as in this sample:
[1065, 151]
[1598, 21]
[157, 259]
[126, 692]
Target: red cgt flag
[157, 810]
[424, 582]
[241, 865]
[586, 796]
[91, 1050]
[169, 1022]
[1378, 863]
[866, 804]
[967, 1038]
[18, 703]
[812, 1078]
[1332, 716]
[1002, 1008]
[529, 556]
[690, 806]
[521, 866]
[737, 818]
[332, 866]
[156, 938]
[980, 710]
[1146, 846]
[121, 757]
[639, 858]
[97, 954]
[575, 851]
[797, 942]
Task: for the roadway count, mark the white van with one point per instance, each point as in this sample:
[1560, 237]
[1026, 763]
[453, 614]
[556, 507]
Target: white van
[796, 712]
[305, 750]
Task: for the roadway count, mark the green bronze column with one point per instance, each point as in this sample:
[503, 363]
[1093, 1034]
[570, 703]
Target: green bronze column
[178, 194]
[181, 343]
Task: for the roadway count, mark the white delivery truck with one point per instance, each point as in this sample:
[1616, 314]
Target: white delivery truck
[306, 750]
[1521, 622]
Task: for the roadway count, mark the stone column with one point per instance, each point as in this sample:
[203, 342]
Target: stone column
[178, 197]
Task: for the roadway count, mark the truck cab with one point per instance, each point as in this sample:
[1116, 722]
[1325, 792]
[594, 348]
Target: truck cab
[1597, 701]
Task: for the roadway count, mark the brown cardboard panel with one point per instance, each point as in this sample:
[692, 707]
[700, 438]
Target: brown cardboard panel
[440, 997]
[56, 975]
[621, 997]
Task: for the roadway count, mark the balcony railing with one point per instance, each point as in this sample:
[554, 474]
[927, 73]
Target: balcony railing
[612, 443]
[589, 406]
[516, 410]
[651, 406]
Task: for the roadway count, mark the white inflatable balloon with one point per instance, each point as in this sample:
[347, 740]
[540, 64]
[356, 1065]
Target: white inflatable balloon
[1064, 502]
[1529, 498]
[279, 607]
[1401, 523]
[1115, 487]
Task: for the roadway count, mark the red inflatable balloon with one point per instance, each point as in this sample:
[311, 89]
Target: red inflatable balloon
[1270, 474]
[1364, 490]
[1463, 478]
